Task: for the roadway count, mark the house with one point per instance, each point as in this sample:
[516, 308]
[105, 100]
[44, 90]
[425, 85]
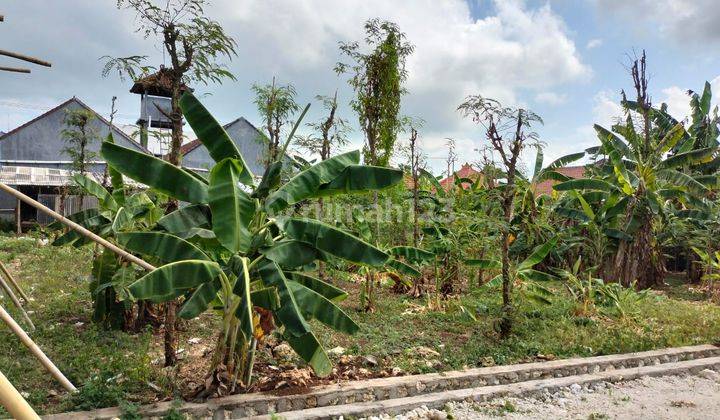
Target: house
[38, 143]
[466, 171]
[251, 143]
[32, 161]
[546, 186]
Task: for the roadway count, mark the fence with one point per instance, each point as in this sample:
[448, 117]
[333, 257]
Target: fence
[71, 205]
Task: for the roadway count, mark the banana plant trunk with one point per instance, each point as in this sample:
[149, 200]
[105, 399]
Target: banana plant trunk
[638, 262]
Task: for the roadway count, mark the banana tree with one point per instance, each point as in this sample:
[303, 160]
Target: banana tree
[116, 212]
[523, 274]
[638, 184]
[232, 247]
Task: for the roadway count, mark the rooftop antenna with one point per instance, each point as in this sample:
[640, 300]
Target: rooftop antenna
[20, 57]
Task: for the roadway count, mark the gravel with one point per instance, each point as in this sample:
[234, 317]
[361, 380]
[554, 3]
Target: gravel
[668, 397]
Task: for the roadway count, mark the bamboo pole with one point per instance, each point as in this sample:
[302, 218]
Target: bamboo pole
[35, 350]
[81, 230]
[16, 301]
[25, 58]
[13, 282]
[13, 402]
[14, 69]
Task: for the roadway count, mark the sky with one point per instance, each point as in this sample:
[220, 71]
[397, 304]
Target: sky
[566, 60]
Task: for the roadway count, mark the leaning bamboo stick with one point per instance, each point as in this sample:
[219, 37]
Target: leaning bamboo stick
[14, 69]
[81, 230]
[13, 402]
[35, 350]
[16, 301]
[25, 58]
[13, 282]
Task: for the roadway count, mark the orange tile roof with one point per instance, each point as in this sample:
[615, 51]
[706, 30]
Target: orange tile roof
[546, 187]
[466, 171]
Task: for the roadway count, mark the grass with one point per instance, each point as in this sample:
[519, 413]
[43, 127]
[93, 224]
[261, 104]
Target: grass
[112, 367]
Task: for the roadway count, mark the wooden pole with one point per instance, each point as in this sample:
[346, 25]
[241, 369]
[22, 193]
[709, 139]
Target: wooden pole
[25, 58]
[16, 301]
[14, 69]
[79, 229]
[13, 402]
[35, 350]
[13, 282]
[18, 218]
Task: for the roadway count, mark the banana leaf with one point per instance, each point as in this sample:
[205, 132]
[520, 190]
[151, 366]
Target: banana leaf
[96, 190]
[538, 254]
[232, 208]
[288, 313]
[185, 218]
[168, 281]
[326, 289]
[584, 184]
[483, 264]
[163, 246]
[688, 158]
[361, 178]
[309, 348]
[315, 305]
[412, 254]
[156, 173]
[402, 268]
[200, 299]
[332, 240]
[291, 254]
[307, 183]
[212, 135]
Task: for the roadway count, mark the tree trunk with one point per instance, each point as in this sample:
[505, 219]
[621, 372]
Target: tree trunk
[639, 261]
[694, 269]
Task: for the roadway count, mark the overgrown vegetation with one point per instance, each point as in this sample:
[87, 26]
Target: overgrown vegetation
[268, 271]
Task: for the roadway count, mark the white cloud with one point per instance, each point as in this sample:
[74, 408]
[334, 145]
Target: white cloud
[678, 100]
[684, 21]
[515, 47]
[550, 98]
[606, 109]
[594, 43]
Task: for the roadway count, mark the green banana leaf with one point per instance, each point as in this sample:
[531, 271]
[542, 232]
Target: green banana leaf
[232, 208]
[584, 184]
[291, 254]
[96, 190]
[185, 218]
[244, 312]
[212, 135]
[309, 349]
[307, 183]
[288, 313]
[315, 305]
[156, 173]
[361, 178]
[326, 289]
[163, 246]
[402, 268]
[270, 180]
[412, 254]
[538, 254]
[484, 264]
[166, 282]
[332, 240]
[439, 190]
[266, 298]
[200, 299]
[688, 158]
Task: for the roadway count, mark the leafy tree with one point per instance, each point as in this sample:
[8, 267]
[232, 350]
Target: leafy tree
[640, 185]
[233, 249]
[507, 131]
[79, 134]
[276, 105]
[194, 44]
[377, 76]
[328, 134]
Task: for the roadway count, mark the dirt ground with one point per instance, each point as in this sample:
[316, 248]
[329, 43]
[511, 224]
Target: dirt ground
[671, 397]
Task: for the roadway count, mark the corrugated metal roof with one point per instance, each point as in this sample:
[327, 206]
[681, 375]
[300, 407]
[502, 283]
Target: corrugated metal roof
[45, 177]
